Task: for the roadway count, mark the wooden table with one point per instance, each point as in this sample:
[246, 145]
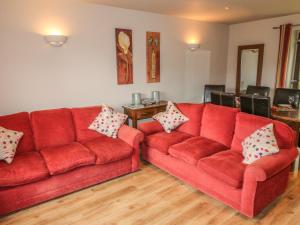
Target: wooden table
[292, 118]
[145, 112]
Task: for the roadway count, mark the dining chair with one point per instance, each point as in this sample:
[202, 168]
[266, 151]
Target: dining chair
[262, 106]
[257, 105]
[228, 99]
[258, 90]
[282, 96]
[208, 88]
[215, 97]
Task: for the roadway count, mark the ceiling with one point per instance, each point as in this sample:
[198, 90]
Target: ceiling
[223, 11]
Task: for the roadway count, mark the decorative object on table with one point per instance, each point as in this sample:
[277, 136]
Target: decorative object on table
[148, 101]
[259, 144]
[155, 95]
[286, 96]
[124, 56]
[171, 118]
[9, 140]
[153, 57]
[108, 122]
[140, 112]
[136, 99]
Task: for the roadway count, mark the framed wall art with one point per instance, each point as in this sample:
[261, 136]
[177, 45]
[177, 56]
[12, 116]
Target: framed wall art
[153, 57]
[124, 56]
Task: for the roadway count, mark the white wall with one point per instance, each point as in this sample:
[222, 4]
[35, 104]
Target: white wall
[34, 75]
[257, 32]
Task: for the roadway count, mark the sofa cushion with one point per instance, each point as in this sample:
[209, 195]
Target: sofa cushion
[108, 122]
[171, 118]
[9, 140]
[194, 113]
[83, 117]
[20, 122]
[52, 128]
[225, 166]
[162, 140]
[246, 124]
[109, 149]
[65, 158]
[27, 167]
[194, 149]
[218, 123]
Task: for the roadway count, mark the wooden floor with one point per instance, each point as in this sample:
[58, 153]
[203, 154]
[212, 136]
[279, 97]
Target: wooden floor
[151, 196]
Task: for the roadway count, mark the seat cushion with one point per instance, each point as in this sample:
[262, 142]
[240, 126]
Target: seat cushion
[83, 117]
[225, 166]
[218, 123]
[20, 122]
[194, 149]
[109, 149]
[65, 158]
[26, 168]
[194, 113]
[246, 124]
[162, 140]
[52, 128]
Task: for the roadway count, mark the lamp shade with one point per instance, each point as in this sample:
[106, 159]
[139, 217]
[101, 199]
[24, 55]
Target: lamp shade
[56, 40]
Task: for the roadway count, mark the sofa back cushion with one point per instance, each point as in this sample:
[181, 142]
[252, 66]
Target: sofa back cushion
[20, 122]
[246, 124]
[194, 113]
[83, 117]
[218, 123]
[52, 127]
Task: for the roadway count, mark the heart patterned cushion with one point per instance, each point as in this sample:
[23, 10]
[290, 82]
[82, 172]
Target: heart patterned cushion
[259, 144]
[108, 122]
[171, 118]
[9, 140]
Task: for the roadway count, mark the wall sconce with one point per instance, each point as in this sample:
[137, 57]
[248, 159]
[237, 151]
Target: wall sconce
[193, 46]
[56, 40]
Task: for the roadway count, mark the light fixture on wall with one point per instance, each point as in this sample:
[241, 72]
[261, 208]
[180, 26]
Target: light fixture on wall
[193, 46]
[56, 40]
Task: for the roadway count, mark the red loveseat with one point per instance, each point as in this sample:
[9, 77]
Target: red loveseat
[206, 152]
[58, 154]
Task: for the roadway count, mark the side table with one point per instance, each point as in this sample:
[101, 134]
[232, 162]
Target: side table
[145, 112]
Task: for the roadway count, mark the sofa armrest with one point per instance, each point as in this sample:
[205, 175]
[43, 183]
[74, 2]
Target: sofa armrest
[131, 136]
[268, 166]
[150, 127]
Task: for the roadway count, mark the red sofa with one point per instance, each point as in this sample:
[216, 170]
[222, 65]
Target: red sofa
[206, 152]
[58, 154]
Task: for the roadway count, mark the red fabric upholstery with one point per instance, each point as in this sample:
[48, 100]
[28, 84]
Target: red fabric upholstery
[194, 176]
[20, 122]
[269, 166]
[194, 149]
[218, 123]
[83, 117]
[226, 166]
[162, 140]
[109, 149]
[52, 127]
[134, 138]
[65, 158]
[246, 124]
[194, 113]
[23, 196]
[247, 188]
[26, 167]
[150, 127]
